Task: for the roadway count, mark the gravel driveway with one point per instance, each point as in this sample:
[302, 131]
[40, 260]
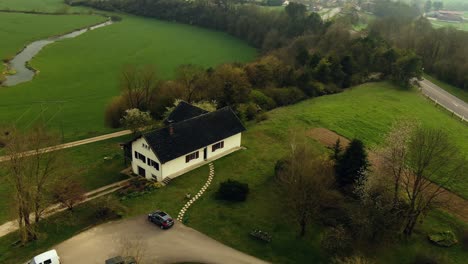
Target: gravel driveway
[137, 235]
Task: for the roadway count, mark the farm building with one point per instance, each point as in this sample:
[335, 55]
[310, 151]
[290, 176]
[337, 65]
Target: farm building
[449, 15]
[191, 138]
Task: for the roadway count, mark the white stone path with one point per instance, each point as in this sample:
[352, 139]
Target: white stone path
[184, 209]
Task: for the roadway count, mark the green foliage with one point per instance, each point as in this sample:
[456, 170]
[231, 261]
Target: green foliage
[285, 96]
[263, 101]
[352, 165]
[443, 239]
[233, 191]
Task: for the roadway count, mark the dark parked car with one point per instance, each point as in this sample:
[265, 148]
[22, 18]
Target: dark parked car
[121, 260]
[160, 218]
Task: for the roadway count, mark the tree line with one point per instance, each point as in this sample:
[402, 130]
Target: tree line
[443, 51]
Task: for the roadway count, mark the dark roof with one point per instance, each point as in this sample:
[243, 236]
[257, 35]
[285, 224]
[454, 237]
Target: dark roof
[194, 133]
[183, 111]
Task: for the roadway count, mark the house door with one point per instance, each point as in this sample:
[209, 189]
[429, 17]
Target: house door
[141, 171]
[205, 153]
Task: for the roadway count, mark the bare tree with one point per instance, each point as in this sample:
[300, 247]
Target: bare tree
[188, 75]
[139, 86]
[307, 179]
[430, 155]
[32, 172]
[68, 192]
[393, 155]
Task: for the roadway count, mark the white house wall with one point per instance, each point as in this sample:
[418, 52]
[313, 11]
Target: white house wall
[138, 146]
[174, 166]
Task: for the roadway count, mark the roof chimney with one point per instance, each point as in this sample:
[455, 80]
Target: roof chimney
[171, 128]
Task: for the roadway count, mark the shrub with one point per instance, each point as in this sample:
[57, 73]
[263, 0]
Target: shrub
[281, 165]
[263, 101]
[443, 239]
[107, 209]
[357, 259]
[464, 240]
[426, 259]
[232, 190]
[262, 116]
[247, 111]
[285, 96]
[114, 112]
[336, 240]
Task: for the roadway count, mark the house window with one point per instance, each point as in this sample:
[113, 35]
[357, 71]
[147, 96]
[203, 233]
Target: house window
[216, 146]
[140, 157]
[145, 146]
[191, 156]
[153, 164]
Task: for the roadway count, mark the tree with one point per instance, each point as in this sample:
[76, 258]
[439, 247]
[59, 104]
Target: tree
[306, 180]
[134, 119]
[68, 192]
[337, 150]
[32, 172]
[438, 5]
[428, 6]
[407, 67]
[188, 75]
[352, 165]
[430, 154]
[138, 86]
[395, 153]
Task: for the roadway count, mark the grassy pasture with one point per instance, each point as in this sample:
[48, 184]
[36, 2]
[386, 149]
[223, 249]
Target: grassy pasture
[459, 26]
[17, 30]
[365, 112]
[82, 73]
[87, 160]
[371, 107]
[39, 6]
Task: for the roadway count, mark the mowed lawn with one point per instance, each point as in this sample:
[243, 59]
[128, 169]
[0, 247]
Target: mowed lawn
[38, 5]
[79, 76]
[365, 112]
[86, 162]
[17, 29]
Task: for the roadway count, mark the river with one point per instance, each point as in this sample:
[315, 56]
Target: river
[19, 62]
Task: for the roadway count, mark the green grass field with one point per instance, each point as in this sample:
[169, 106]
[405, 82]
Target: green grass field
[39, 6]
[87, 160]
[460, 26]
[17, 30]
[83, 72]
[365, 112]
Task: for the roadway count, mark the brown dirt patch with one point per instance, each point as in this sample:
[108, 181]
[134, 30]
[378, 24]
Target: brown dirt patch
[327, 137]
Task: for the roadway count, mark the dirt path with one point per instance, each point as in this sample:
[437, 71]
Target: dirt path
[454, 204]
[179, 244]
[74, 144]
[12, 226]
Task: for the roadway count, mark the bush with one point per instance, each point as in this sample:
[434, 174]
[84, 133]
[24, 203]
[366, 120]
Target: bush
[232, 190]
[280, 166]
[262, 116]
[247, 111]
[285, 96]
[114, 112]
[263, 101]
[336, 240]
[107, 209]
[464, 240]
[357, 259]
[443, 239]
[426, 259]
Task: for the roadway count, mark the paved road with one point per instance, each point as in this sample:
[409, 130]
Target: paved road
[178, 244]
[445, 99]
[74, 144]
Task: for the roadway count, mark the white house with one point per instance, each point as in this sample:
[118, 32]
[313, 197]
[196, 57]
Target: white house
[191, 137]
